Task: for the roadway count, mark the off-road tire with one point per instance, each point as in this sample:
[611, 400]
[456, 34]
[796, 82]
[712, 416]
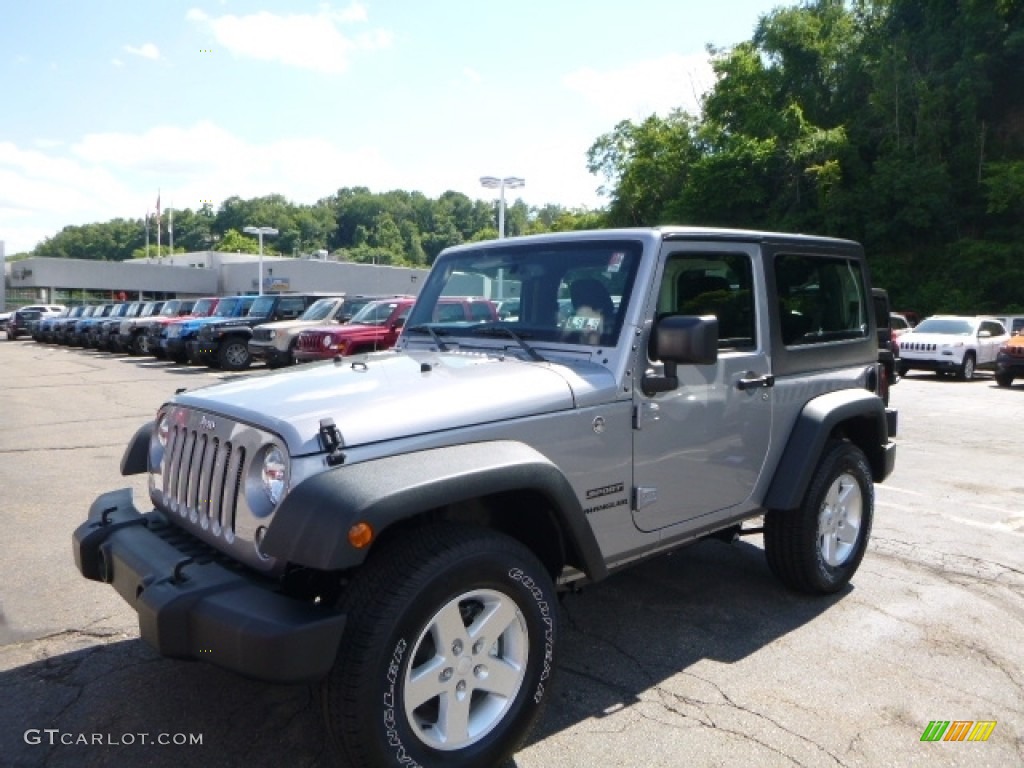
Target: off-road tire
[396, 607]
[233, 355]
[138, 345]
[837, 509]
[1004, 379]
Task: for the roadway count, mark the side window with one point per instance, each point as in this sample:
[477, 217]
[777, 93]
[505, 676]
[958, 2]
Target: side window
[480, 310]
[821, 299]
[719, 284]
[994, 328]
[450, 313]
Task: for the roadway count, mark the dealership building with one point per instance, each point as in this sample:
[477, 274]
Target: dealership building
[191, 275]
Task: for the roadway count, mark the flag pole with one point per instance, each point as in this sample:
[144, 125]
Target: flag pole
[147, 234]
[158, 225]
[170, 229]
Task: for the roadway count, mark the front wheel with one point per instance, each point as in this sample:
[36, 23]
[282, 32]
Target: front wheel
[233, 355]
[1004, 379]
[448, 651]
[967, 367]
[817, 547]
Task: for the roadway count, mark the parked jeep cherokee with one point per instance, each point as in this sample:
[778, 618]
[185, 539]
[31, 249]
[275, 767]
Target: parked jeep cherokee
[225, 343]
[274, 343]
[952, 344]
[377, 325]
[399, 524]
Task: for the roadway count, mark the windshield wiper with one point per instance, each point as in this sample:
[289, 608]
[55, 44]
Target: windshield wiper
[433, 334]
[496, 329]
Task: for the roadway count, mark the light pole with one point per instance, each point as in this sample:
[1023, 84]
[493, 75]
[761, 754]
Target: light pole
[493, 182]
[260, 231]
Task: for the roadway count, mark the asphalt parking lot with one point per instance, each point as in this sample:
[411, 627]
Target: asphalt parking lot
[695, 659]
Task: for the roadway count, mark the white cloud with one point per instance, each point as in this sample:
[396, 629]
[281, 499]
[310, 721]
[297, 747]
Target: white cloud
[102, 176]
[646, 87]
[472, 75]
[146, 51]
[105, 176]
[117, 62]
[307, 41]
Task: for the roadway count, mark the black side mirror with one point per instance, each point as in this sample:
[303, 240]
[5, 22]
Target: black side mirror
[680, 340]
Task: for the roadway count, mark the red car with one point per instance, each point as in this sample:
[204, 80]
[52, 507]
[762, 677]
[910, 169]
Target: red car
[378, 325]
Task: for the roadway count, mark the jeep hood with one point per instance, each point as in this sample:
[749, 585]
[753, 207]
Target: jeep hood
[390, 395]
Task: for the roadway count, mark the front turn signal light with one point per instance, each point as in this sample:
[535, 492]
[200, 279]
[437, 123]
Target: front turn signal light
[360, 535]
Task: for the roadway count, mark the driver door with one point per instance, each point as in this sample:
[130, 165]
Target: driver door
[701, 448]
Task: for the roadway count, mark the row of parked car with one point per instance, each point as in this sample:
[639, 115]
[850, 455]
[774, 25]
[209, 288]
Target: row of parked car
[232, 332]
[282, 329]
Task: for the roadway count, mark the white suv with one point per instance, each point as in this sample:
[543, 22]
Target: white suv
[952, 344]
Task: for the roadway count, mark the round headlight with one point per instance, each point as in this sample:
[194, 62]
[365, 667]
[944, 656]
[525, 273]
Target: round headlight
[327, 341]
[274, 474]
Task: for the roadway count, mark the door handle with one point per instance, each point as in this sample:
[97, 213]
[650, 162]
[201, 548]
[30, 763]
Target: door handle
[753, 382]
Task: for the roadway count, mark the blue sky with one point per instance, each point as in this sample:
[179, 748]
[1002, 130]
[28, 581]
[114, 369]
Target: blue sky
[103, 102]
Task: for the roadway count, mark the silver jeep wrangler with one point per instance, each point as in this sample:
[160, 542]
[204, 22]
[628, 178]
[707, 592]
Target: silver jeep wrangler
[399, 524]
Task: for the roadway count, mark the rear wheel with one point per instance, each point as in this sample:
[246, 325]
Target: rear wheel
[447, 654]
[817, 547]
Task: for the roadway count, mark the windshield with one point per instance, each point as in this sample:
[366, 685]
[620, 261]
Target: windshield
[263, 306]
[320, 309]
[376, 313]
[170, 308]
[574, 293]
[948, 326]
[203, 307]
[226, 307]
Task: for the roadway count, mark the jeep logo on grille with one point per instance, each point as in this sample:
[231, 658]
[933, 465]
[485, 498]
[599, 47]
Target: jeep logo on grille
[205, 423]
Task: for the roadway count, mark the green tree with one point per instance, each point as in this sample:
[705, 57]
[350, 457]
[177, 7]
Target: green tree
[234, 241]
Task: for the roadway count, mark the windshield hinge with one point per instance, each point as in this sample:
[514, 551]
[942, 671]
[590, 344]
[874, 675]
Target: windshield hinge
[330, 439]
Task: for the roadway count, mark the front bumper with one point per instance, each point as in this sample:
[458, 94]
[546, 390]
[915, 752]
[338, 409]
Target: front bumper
[1012, 365]
[269, 353]
[191, 606]
[942, 364]
[201, 351]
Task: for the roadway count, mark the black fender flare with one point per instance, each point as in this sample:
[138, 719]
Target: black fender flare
[135, 460]
[863, 415]
[311, 526]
